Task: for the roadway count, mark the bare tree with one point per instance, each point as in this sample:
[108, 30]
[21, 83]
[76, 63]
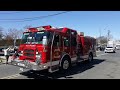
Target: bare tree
[1, 33]
[27, 26]
[8, 39]
[14, 34]
[102, 40]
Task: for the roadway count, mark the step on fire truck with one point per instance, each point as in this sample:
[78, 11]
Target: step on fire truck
[50, 48]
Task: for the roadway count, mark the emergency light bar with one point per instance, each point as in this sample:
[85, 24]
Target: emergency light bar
[81, 33]
[44, 27]
[40, 28]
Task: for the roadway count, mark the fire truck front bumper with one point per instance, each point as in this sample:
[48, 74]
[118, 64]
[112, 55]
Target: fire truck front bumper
[25, 64]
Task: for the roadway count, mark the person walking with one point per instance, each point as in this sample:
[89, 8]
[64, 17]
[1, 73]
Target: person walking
[15, 55]
[7, 54]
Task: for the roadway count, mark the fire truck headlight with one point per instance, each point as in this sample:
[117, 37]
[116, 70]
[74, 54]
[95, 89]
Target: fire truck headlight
[38, 59]
[37, 53]
[21, 53]
[38, 56]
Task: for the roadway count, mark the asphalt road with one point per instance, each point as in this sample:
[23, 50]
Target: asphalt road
[104, 66]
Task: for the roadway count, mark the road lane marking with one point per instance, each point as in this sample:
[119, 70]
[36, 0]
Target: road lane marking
[17, 75]
[102, 54]
[11, 77]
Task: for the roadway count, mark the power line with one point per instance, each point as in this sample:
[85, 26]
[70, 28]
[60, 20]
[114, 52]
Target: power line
[14, 12]
[11, 12]
[33, 18]
[37, 17]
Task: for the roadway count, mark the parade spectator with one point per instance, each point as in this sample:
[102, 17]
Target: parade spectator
[7, 54]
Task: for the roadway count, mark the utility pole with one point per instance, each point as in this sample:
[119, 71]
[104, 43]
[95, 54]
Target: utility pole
[14, 42]
[108, 37]
[100, 36]
[100, 32]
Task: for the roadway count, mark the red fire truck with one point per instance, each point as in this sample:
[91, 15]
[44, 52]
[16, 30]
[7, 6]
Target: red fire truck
[50, 48]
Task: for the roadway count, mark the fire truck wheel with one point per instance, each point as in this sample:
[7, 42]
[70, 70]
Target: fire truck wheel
[90, 58]
[65, 64]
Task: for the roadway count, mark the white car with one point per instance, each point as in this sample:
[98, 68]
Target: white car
[118, 47]
[110, 49]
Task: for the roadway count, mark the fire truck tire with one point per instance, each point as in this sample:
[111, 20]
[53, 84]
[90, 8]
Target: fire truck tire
[90, 58]
[65, 64]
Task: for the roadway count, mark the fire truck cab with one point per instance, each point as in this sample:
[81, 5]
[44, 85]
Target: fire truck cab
[51, 48]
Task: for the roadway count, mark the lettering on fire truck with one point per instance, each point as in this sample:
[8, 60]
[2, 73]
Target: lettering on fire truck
[57, 53]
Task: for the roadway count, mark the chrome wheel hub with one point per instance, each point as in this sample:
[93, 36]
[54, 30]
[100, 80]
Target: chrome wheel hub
[65, 64]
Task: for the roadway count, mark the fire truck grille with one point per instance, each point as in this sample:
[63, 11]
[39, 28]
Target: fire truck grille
[29, 51]
[29, 54]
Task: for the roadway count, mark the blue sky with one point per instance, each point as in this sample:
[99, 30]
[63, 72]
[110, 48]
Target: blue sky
[89, 22]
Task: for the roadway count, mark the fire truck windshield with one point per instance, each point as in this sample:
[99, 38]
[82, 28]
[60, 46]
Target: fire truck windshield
[34, 37]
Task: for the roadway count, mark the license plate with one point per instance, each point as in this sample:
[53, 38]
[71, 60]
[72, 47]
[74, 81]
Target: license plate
[21, 64]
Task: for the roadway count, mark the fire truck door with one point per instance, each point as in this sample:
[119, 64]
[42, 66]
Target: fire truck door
[66, 45]
[73, 47]
[56, 51]
[86, 47]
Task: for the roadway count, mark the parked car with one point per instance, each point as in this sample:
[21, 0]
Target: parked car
[110, 49]
[1, 49]
[118, 47]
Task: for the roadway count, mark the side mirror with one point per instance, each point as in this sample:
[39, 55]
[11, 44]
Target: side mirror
[44, 40]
